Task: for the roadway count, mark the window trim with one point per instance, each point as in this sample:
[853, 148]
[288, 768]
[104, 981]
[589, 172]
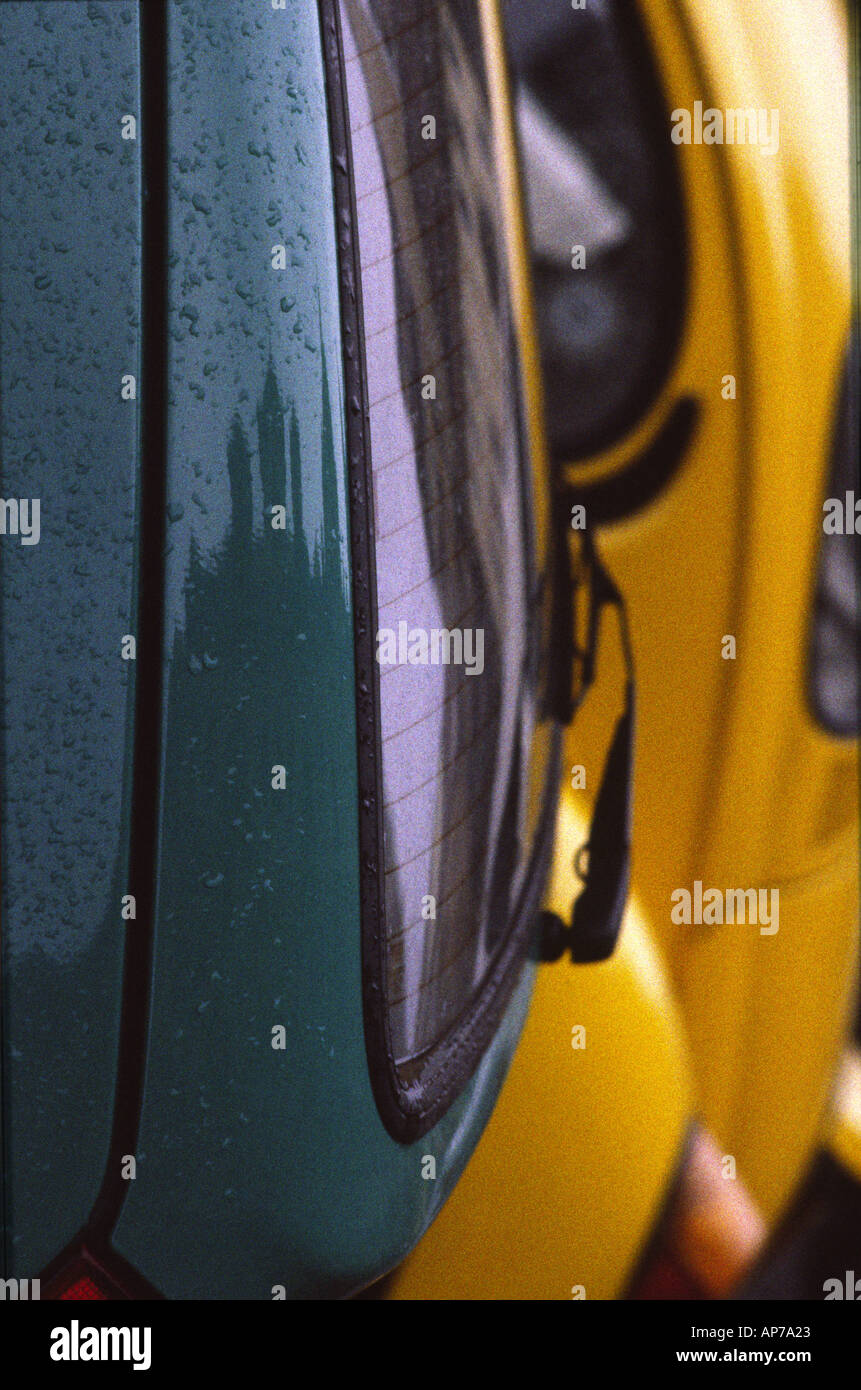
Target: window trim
[407, 1111]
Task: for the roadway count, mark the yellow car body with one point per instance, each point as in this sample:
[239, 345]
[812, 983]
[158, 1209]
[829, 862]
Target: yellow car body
[737, 785]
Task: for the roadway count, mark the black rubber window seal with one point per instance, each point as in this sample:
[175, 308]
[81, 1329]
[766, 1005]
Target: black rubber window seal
[408, 1112]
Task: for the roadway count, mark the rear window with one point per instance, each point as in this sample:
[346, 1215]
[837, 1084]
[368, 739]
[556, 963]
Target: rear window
[457, 626]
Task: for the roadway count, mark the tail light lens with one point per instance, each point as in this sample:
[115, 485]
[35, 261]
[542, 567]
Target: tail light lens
[84, 1289]
[710, 1236]
[81, 1282]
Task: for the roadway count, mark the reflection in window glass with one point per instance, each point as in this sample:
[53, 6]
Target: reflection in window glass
[458, 630]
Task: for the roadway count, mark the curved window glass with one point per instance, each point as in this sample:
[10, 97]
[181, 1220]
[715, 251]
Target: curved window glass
[457, 629]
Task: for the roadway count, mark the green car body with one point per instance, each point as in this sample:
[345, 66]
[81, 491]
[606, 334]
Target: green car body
[261, 1165]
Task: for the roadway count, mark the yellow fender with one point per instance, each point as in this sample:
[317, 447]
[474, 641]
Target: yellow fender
[736, 784]
[564, 1188]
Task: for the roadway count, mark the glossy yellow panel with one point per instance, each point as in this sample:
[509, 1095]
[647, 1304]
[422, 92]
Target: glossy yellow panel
[736, 786]
[571, 1172]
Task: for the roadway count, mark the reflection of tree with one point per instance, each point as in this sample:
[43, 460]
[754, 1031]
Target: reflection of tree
[266, 649]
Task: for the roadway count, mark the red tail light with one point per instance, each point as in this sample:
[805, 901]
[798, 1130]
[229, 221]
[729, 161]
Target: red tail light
[93, 1273]
[83, 1288]
[83, 1282]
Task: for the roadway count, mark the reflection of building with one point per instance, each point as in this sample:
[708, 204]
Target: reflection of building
[331, 559]
[270, 438]
[260, 677]
[271, 416]
[300, 544]
[266, 642]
